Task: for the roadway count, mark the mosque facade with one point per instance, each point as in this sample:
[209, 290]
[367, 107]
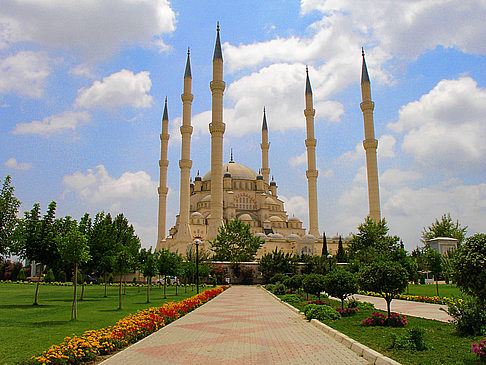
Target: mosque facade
[232, 190]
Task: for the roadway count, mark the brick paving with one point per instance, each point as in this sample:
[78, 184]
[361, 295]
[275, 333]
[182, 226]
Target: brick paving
[241, 326]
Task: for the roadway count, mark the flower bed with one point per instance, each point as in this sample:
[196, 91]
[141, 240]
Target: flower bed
[415, 298]
[379, 319]
[132, 328]
[480, 349]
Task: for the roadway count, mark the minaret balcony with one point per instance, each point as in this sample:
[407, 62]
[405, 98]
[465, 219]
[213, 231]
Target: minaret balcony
[370, 143]
[367, 105]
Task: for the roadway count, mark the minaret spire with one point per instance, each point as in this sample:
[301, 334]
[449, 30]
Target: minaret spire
[163, 189]
[216, 128]
[370, 144]
[185, 163]
[265, 146]
[310, 144]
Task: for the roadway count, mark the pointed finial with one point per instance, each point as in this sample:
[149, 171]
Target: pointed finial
[217, 26]
[187, 73]
[308, 88]
[231, 155]
[188, 51]
[218, 55]
[197, 172]
[364, 70]
[166, 114]
[273, 178]
[264, 124]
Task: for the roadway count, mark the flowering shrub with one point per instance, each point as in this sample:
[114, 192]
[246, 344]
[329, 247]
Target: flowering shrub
[379, 319]
[416, 298]
[318, 302]
[480, 349]
[79, 349]
[347, 312]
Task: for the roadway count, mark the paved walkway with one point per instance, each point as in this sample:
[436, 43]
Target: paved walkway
[243, 325]
[414, 309]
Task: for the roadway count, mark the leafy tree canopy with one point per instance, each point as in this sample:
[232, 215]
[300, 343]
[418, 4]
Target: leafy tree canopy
[235, 242]
[9, 206]
[276, 262]
[340, 283]
[446, 227]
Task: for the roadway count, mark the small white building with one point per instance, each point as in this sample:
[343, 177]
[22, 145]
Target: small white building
[443, 244]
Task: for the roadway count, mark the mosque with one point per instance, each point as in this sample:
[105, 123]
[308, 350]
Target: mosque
[232, 190]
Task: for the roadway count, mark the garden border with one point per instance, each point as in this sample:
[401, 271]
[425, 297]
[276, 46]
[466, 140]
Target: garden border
[374, 357]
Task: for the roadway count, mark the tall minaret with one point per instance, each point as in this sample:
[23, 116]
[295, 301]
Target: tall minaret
[370, 144]
[216, 128]
[185, 163]
[162, 190]
[311, 172]
[265, 146]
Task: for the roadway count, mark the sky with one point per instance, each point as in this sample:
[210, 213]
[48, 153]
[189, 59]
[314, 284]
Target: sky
[82, 85]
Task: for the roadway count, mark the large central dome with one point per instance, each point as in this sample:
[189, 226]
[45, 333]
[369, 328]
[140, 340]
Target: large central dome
[237, 171]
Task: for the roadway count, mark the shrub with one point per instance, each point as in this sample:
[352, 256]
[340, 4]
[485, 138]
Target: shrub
[341, 284]
[413, 339]
[278, 277]
[134, 280]
[61, 277]
[348, 312]
[247, 275]
[111, 280]
[294, 282]
[480, 349]
[270, 287]
[279, 289]
[101, 280]
[49, 278]
[379, 319]
[314, 284]
[469, 317]
[320, 312]
[291, 298]
[318, 302]
[21, 276]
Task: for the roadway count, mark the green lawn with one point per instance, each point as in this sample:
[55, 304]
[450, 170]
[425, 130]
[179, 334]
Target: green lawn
[27, 330]
[444, 345]
[429, 290]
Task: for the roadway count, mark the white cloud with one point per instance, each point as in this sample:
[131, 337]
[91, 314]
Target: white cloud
[326, 174]
[121, 88]
[353, 155]
[296, 205]
[54, 124]
[82, 70]
[395, 177]
[298, 160]
[97, 186]
[24, 73]
[96, 28]
[445, 129]
[386, 146]
[14, 164]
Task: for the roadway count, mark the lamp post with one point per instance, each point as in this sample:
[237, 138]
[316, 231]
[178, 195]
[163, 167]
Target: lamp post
[197, 242]
[329, 257]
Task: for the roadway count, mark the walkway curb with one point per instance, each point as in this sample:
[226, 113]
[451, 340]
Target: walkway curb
[372, 356]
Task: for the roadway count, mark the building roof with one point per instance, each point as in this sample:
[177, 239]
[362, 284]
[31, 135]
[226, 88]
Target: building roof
[245, 217]
[275, 218]
[196, 215]
[237, 171]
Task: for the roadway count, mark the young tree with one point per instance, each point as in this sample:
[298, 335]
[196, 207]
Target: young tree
[434, 264]
[341, 284]
[9, 206]
[313, 284]
[469, 267]
[341, 254]
[446, 227]
[235, 242]
[388, 278]
[74, 249]
[148, 266]
[168, 264]
[276, 262]
[324, 251]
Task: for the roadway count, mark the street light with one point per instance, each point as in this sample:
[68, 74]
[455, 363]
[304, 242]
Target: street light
[197, 242]
[329, 257]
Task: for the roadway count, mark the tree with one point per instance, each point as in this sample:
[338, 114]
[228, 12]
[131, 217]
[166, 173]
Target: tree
[445, 228]
[235, 242]
[433, 260]
[469, 267]
[9, 206]
[313, 284]
[168, 264]
[372, 243]
[324, 251]
[276, 262]
[148, 266]
[74, 249]
[341, 284]
[341, 254]
[387, 278]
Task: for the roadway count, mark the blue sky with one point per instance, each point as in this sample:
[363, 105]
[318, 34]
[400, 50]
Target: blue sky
[82, 85]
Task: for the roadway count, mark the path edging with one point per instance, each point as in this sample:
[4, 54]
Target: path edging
[374, 357]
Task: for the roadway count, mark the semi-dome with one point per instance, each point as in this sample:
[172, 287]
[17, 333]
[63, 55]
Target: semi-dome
[245, 217]
[237, 171]
[261, 235]
[270, 200]
[276, 236]
[207, 198]
[308, 238]
[293, 237]
[294, 219]
[275, 218]
[196, 215]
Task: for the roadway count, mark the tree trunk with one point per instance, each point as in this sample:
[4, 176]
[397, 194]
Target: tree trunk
[74, 312]
[388, 306]
[436, 284]
[165, 286]
[124, 287]
[149, 279]
[82, 290]
[120, 294]
[342, 303]
[37, 287]
[104, 276]
[176, 287]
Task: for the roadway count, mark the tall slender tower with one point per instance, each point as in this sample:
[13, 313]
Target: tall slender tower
[310, 144]
[216, 128]
[163, 164]
[265, 146]
[370, 144]
[185, 163]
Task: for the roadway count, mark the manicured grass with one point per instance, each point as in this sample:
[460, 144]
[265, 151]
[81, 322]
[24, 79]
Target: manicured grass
[27, 330]
[429, 290]
[444, 346]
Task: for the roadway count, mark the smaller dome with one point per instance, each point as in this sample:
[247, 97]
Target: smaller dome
[269, 200]
[227, 174]
[207, 198]
[245, 217]
[294, 219]
[259, 177]
[196, 215]
[273, 183]
[276, 236]
[293, 237]
[261, 235]
[275, 218]
[308, 238]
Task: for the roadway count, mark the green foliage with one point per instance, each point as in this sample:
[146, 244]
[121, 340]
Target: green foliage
[433, 260]
[276, 262]
[372, 243]
[169, 263]
[341, 284]
[21, 276]
[469, 317]
[235, 242]
[294, 282]
[247, 275]
[413, 339]
[111, 279]
[278, 278]
[148, 263]
[291, 298]
[388, 278]
[324, 251]
[9, 206]
[313, 284]
[341, 254]
[73, 246]
[101, 241]
[320, 312]
[445, 228]
[49, 278]
[279, 289]
[469, 265]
